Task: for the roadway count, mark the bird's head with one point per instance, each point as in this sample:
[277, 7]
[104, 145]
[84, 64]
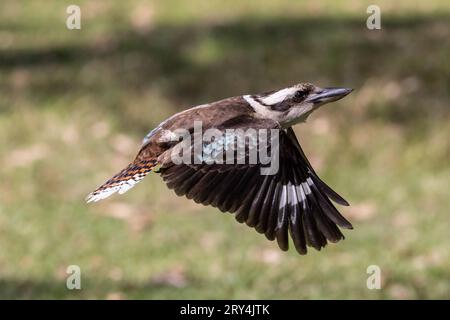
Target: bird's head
[294, 104]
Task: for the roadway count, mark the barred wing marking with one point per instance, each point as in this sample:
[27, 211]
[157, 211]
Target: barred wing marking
[294, 201]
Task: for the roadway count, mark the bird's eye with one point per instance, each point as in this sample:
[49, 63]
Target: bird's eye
[299, 95]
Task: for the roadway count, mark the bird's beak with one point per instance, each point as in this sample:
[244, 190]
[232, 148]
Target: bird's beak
[326, 95]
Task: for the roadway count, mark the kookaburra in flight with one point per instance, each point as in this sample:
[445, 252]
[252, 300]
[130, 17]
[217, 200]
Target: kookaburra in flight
[293, 200]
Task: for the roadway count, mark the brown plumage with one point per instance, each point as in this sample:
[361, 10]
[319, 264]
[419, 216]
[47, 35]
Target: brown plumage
[294, 201]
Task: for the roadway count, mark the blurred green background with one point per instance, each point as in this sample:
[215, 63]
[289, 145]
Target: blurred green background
[75, 104]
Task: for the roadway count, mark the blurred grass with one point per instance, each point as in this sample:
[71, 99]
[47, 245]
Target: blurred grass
[75, 104]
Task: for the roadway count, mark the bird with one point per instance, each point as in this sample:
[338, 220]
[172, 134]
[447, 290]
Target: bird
[292, 200]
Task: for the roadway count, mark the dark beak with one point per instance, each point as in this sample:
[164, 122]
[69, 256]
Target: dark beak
[328, 95]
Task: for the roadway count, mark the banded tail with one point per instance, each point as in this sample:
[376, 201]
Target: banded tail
[123, 181]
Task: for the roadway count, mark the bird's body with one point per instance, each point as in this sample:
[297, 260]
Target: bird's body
[291, 199]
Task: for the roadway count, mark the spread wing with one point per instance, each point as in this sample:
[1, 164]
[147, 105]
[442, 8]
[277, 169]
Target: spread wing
[293, 201]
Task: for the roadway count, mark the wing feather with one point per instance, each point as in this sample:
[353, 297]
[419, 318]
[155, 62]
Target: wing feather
[294, 201]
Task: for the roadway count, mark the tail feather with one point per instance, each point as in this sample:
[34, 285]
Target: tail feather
[123, 181]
